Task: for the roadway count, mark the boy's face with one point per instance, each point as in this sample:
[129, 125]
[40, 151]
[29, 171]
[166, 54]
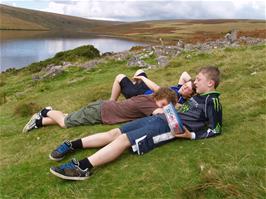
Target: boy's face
[162, 102]
[186, 90]
[203, 84]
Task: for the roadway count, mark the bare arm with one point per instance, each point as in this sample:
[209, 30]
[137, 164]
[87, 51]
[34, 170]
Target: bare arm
[185, 77]
[157, 111]
[152, 85]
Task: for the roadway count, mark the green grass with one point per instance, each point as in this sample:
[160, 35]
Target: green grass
[229, 166]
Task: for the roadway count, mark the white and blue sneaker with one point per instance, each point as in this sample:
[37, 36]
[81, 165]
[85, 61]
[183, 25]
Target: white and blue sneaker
[60, 152]
[70, 171]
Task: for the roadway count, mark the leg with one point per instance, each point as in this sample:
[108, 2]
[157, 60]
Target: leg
[110, 152]
[46, 121]
[58, 118]
[100, 139]
[116, 89]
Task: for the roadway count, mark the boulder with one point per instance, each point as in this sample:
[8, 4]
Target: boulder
[162, 61]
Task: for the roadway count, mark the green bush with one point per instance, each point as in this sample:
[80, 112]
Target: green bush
[81, 53]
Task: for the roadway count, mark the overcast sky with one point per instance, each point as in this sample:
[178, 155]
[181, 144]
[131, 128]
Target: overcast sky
[137, 10]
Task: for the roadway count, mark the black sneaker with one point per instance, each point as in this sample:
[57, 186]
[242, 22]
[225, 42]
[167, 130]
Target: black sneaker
[70, 171]
[60, 152]
[31, 123]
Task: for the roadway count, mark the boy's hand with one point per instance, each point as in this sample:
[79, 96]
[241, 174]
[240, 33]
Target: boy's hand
[186, 134]
[137, 77]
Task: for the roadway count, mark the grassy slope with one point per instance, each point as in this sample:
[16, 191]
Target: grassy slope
[13, 18]
[233, 164]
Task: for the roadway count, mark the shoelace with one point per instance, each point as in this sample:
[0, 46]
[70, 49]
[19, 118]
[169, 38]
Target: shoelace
[63, 148]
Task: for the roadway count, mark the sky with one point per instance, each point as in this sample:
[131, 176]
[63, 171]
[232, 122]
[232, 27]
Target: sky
[139, 10]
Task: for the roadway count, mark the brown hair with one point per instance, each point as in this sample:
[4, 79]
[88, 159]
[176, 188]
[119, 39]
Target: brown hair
[165, 93]
[212, 73]
[194, 90]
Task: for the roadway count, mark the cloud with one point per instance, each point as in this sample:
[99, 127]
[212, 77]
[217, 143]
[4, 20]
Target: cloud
[136, 10]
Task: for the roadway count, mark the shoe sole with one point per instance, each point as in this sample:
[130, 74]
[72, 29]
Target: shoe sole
[25, 130]
[55, 159]
[67, 177]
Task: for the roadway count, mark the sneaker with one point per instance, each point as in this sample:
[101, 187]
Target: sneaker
[70, 171]
[31, 123]
[60, 152]
[47, 108]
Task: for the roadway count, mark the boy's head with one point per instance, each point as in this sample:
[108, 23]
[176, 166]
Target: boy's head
[188, 89]
[207, 79]
[164, 96]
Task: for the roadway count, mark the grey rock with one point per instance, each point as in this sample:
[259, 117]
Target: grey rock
[136, 61]
[91, 64]
[231, 36]
[162, 61]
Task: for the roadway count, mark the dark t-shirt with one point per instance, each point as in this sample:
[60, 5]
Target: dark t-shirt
[113, 112]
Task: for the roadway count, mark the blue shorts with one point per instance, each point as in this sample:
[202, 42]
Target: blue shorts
[147, 133]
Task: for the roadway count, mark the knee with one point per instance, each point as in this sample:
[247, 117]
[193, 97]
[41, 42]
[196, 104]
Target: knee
[119, 77]
[123, 140]
[61, 123]
[139, 71]
[114, 133]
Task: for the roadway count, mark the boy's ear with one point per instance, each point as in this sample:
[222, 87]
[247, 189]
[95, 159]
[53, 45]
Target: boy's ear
[211, 83]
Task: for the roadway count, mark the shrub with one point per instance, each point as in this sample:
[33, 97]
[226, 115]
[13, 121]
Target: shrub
[81, 53]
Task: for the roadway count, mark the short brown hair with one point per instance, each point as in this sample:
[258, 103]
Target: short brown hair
[213, 73]
[165, 93]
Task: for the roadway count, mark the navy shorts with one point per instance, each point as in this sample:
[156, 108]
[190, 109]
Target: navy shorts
[128, 89]
[147, 133]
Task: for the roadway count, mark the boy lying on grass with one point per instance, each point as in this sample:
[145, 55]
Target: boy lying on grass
[141, 85]
[201, 116]
[106, 112]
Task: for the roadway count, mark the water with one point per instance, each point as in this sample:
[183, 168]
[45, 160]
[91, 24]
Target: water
[20, 53]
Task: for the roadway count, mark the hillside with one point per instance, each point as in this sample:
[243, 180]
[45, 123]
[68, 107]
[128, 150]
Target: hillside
[169, 31]
[13, 18]
[231, 165]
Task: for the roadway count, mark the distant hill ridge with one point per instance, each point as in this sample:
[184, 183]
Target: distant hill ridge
[13, 18]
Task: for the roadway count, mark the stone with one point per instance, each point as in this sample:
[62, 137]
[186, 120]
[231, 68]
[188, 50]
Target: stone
[162, 61]
[136, 61]
[91, 64]
[231, 36]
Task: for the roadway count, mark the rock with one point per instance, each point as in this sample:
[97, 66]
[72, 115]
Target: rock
[107, 54]
[231, 36]
[52, 71]
[136, 61]
[180, 44]
[188, 47]
[91, 64]
[122, 56]
[162, 61]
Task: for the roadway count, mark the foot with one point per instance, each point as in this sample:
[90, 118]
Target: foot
[70, 171]
[46, 108]
[60, 152]
[31, 123]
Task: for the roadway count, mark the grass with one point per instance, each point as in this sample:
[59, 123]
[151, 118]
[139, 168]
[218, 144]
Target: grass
[229, 166]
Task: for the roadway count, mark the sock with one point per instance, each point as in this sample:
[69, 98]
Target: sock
[44, 112]
[38, 122]
[77, 144]
[85, 164]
